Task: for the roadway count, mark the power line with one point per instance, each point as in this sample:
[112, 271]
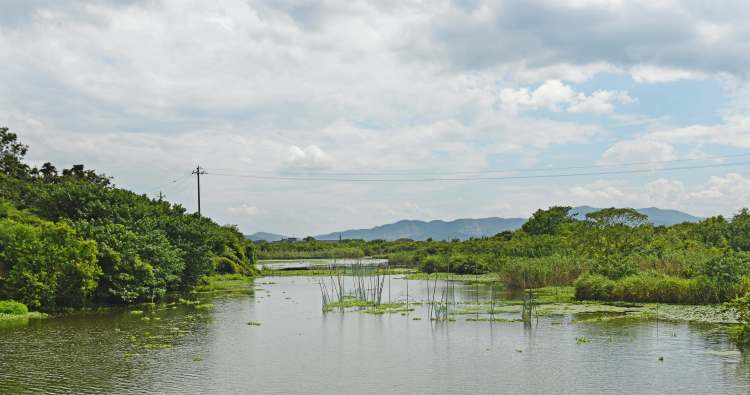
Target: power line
[170, 183]
[493, 171]
[500, 178]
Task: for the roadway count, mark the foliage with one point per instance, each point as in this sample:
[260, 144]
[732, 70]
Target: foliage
[71, 237]
[654, 287]
[548, 222]
[46, 265]
[555, 270]
[12, 307]
[740, 334]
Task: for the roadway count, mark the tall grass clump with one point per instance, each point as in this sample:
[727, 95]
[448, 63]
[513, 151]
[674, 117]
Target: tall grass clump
[656, 287]
[554, 270]
[11, 307]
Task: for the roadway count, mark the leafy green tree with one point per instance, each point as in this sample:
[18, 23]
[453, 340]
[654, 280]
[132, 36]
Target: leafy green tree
[11, 154]
[713, 231]
[739, 231]
[617, 216]
[548, 222]
[46, 265]
[136, 266]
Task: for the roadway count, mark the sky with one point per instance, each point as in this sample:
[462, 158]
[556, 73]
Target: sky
[284, 103]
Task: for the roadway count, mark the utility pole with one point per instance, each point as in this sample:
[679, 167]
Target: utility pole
[198, 171]
[161, 196]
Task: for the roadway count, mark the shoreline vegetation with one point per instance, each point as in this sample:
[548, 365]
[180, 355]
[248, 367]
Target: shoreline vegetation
[12, 311]
[72, 239]
[613, 255]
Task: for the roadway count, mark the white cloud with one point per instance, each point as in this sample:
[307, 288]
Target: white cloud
[146, 90]
[309, 158]
[600, 101]
[656, 74]
[554, 95]
[244, 209]
[639, 150]
[717, 195]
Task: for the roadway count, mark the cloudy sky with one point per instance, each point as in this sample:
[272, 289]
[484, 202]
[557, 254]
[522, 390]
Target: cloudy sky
[252, 90]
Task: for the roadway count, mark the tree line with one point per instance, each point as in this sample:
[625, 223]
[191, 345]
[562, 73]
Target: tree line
[71, 238]
[612, 254]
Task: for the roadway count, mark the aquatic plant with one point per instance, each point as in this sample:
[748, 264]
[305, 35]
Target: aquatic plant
[367, 280]
[529, 308]
[253, 323]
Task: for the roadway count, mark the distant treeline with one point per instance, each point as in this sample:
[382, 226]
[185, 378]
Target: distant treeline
[70, 238]
[614, 253]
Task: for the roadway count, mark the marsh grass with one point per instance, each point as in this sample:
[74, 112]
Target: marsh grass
[486, 278]
[368, 282]
[225, 283]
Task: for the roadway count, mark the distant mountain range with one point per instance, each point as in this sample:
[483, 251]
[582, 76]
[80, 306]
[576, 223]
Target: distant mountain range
[258, 236]
[438, 230]
[467, 228]
[656, 216]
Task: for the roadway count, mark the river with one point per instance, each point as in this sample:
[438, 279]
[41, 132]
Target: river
[299, 349]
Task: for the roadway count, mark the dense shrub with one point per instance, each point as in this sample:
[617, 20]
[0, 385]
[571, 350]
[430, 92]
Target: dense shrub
[433, 264]
[520, 273]
[46, 265]
[614, 266]
[654, 287]
[593, 287]
[12, 307]
[72, 237]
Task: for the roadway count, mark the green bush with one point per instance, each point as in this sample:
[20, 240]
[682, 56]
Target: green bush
[46, 265]
[654, 287]
[433, 264]
[593, 287]
[614, 266]
[554, 270]
[225, 265]
[13, 308]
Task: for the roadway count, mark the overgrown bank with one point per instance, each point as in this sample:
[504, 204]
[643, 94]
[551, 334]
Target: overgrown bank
[72, 238]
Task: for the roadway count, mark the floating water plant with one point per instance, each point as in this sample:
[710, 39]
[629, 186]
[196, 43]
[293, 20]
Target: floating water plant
[253, 323]
[367, 287]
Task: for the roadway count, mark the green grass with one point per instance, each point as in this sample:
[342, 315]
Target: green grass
[486, 278]
[325, 272]
[225, 283]
[654, 287]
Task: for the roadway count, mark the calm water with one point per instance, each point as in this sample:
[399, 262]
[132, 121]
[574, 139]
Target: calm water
[285, 264]
[299, 349]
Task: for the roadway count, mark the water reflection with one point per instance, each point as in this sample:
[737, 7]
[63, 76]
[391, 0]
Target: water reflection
[299, 349]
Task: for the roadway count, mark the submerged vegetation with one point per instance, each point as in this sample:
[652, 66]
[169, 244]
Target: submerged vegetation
[614, 253]
[611, 255]
[71, 238]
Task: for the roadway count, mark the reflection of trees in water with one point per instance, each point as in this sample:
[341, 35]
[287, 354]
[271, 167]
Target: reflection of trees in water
[97, 352]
